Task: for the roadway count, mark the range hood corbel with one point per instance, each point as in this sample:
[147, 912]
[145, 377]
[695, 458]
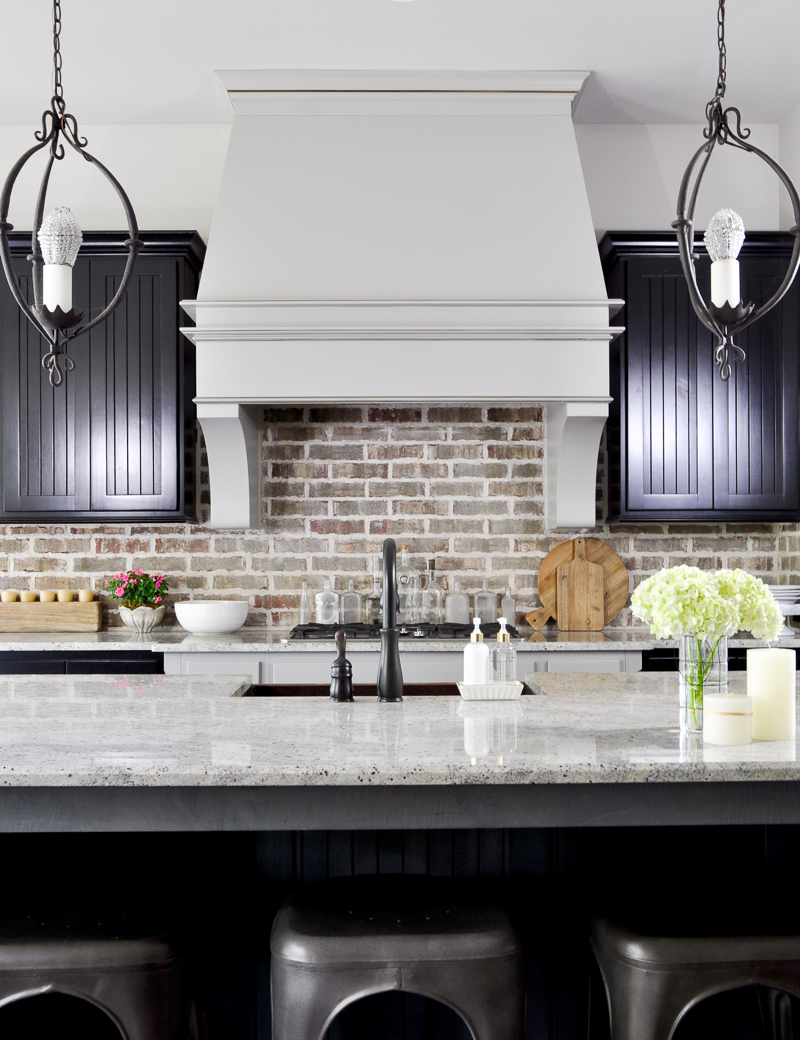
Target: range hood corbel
[402, 237]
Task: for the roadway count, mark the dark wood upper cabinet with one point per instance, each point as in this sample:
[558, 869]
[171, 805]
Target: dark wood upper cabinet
[116, 440]
[684, 445]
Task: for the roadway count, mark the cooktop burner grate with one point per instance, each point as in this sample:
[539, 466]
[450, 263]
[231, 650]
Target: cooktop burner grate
[422, 630]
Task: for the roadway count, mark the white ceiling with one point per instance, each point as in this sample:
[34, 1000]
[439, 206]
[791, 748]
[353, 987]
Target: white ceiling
[153, 61]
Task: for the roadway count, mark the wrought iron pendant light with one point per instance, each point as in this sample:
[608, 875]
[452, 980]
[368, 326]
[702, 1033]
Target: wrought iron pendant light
[728, 317]
[58, 234]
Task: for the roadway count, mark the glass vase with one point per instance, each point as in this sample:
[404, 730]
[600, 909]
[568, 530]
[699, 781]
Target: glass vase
[703, 666]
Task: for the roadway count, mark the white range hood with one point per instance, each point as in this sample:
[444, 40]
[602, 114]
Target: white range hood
[402, 237]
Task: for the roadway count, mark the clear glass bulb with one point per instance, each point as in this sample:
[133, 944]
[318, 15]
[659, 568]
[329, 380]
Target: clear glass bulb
[724, 235]
[60, 237]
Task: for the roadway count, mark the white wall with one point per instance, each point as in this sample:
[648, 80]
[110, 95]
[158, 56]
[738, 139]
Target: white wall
[790, 160]
[633, 174]
[170, 173]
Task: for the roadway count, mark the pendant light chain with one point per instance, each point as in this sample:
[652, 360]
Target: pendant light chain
[58, 90]
[718, 118]
[723, 54]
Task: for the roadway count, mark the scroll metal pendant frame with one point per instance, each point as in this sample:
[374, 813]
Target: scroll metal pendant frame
[57, 327]
[726, 322]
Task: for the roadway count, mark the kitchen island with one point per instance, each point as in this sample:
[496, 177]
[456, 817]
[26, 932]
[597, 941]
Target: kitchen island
[184, 796]
[168, 753]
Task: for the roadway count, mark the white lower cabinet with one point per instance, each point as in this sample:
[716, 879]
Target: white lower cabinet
[297, 668]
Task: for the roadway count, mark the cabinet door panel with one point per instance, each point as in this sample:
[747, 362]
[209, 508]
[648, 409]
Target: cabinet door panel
[135, 442]
[45, 428]
[669, 436]
[761, 417]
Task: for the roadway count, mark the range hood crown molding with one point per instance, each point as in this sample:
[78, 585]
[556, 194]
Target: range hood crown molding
[236, 81]
[372, 217]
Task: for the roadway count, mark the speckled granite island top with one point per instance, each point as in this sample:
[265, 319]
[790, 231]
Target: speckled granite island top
[199, 731]
[170, 753]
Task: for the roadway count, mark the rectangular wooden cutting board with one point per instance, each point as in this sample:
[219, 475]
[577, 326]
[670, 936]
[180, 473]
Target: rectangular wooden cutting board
[580, 593]
[51, 617]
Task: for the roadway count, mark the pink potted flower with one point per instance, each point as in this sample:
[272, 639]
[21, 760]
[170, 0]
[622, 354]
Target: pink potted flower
[140, 597]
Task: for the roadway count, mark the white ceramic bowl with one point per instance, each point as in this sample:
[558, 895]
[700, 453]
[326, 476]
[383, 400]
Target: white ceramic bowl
[212, 616]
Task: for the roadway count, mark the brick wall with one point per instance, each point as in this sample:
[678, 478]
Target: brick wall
[464, 485]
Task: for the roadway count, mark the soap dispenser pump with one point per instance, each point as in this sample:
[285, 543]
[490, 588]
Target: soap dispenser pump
[341, 672]
[476, 657]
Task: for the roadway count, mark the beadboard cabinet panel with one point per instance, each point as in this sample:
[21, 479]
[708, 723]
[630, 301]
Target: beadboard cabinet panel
[41, 438]
[682, 443]
[135, 400]
[115, 441]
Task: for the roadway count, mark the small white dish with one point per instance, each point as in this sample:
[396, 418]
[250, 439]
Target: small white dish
[205, 617]
[490, 691]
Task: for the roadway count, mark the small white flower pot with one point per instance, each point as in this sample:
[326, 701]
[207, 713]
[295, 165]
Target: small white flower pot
[142, 619]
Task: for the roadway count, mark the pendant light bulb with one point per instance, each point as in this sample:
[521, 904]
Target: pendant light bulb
[59, 240]
[724, 235]
[724, 238]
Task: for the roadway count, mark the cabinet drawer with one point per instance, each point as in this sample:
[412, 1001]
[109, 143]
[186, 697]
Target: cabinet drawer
[217, 664]
[590, 661]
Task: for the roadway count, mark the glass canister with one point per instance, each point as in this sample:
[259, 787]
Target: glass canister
[350, 606]
[326, 605]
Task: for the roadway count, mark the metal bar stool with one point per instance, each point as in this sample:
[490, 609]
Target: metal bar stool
[337, 941]
[653, 975]
[137, 978]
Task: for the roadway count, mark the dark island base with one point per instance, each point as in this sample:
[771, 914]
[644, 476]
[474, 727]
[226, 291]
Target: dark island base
[109, 809]
[223, 889]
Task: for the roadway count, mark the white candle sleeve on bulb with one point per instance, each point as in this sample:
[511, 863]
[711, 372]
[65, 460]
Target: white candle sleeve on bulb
[727, 719]
[771, 683]
[725, 282]
[57, 286]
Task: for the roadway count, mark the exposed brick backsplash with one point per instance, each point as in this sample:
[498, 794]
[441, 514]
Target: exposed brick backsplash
[462, 484]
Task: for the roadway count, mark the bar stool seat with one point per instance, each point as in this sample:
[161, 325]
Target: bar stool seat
[653, 974]
[337, 941]
[137, 978]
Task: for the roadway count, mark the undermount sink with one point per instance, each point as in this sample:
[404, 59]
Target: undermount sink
[360, 690]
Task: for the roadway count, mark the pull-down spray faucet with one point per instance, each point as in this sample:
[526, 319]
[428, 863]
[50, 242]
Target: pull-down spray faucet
[390, 674]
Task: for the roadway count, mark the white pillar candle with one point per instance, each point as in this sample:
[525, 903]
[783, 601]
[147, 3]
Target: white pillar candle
[727, 718]
[771, 680]
[57, 286]
[725, 282]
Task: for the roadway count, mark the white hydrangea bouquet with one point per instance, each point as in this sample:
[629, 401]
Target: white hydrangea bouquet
[701, 609]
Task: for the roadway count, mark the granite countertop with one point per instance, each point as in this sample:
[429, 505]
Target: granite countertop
[261, 640]
[170, 731]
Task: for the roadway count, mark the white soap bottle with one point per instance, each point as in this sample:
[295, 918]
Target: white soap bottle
[503, 664]
[476, 657]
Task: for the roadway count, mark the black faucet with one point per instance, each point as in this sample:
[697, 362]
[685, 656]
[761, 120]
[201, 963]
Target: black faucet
[390, 674]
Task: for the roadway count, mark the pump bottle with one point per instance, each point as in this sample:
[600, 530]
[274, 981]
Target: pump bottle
[503, 658]
[476, 657]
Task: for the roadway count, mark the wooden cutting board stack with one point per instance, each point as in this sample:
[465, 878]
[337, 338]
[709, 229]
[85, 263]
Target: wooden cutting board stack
[583, 584]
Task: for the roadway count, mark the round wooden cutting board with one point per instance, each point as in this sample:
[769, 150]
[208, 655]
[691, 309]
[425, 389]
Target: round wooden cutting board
[615, 577]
